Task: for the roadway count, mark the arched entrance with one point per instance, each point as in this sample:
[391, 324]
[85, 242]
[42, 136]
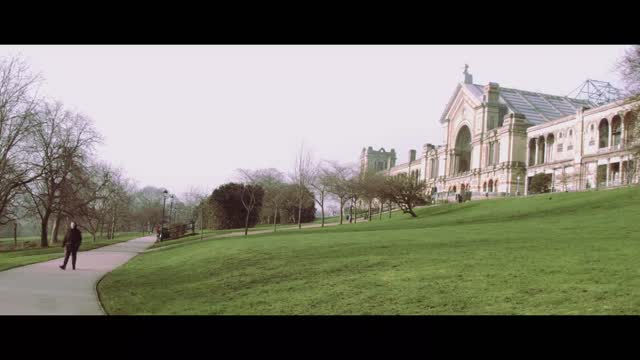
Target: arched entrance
[462, 159]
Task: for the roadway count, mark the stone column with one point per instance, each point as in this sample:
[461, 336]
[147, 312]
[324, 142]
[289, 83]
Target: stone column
[621, 136]
[610, 136]
[526, 161]
[608, 171]
[535, 160]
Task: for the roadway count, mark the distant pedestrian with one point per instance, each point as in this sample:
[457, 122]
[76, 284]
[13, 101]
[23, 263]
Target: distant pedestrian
[71, 244]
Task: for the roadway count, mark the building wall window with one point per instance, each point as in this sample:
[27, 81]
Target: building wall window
[491, 151]
[559, 147]
[434, 169]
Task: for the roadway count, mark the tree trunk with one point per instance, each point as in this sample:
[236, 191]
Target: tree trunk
[246, 223]
[275, 219]
[389, 209]
[341, 211]
[94, 237]
[15, 234]
[355, 213]
[56, 228]
[44, 224]
[113, 226]
[369, 210]
[380, 211]
[300, 212]
[322, 211]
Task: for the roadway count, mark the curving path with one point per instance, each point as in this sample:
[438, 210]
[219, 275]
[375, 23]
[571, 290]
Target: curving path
[45, 289]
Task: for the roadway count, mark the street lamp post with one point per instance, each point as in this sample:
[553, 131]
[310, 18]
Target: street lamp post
[518, 186]
[164, 202]
[171, 209]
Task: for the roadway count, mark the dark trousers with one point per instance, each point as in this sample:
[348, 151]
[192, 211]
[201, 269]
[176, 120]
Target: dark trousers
[73, 251]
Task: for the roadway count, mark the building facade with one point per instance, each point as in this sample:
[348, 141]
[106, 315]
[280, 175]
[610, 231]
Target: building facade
[496, 139]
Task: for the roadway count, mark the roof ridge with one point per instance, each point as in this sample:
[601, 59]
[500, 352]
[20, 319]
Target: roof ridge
[542, 94]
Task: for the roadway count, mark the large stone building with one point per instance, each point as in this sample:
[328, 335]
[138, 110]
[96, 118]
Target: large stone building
[495, 139]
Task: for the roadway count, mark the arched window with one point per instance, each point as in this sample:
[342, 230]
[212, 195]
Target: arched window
[490, 185]
[484, 187]
[541, 150]
[616, 130]
[495, 185]
[532, 152]
[549, 152]
[603, 134]
[629, 127]
[570, 132]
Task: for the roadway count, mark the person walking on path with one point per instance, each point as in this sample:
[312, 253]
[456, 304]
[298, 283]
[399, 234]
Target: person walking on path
[71, 243]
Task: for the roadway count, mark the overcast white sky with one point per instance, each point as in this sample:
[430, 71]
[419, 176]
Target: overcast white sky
[207, 110]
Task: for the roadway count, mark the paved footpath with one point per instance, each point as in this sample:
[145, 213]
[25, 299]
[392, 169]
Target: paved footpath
[45, 289]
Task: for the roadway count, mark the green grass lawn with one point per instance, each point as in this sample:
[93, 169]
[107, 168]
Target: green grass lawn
[576, 253]
[210, 234]
[10, 259]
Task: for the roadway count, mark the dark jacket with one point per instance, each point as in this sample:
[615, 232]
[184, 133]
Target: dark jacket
[72, 238]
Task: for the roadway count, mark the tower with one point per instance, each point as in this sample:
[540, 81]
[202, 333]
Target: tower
[377, 160]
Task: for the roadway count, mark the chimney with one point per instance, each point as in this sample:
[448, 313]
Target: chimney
[492, 92]
[412, 155]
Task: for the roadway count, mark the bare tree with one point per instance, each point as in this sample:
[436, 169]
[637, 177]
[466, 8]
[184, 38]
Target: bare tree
[321, 180]
[302, 175]
[371, 187]
[354, 184]
[337, 177]
[92, 196]
[147, 206]
[565, 179]
[273, 183]
[192, 198]
[17, 123]
[629, 70]
[62, 141]
[251, 196]
[405, 192]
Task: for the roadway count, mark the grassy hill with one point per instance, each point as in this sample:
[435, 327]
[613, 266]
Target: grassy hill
[570, 253]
